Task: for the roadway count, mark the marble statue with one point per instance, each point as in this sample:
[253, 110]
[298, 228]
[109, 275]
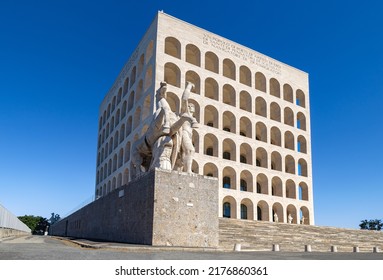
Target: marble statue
[276, 219]
[289, 219]
[167, 144]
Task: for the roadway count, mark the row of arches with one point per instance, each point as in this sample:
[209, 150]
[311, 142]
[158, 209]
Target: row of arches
[227, 149]
[228, 121]
[125, 127]
[272, 111]
[273, 136]
[261, 210]
[261, 184]
[228, 69]
[117, 181]
[135, 94]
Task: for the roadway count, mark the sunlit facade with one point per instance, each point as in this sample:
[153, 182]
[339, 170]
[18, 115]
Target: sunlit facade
[253, 110]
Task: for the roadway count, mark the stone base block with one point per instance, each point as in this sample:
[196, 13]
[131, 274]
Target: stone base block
[161, 208]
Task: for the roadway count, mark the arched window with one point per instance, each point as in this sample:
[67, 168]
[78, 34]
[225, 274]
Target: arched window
[261, 157]
[276, 187]
[262, 211]
[147, 110]
[122, 133]
[260, 107]
[141, 62]
[127, 152]
[193, 55]
[211, 116]
[229, 95]
[131, 101]
[124, 107]
[125, 179]
[245, 75]
[259, 213]
[229, 122]
[262, 184]
[243, 212]
[304, 216]
[226, 182]
[133, 76]
[288, 117]
[261, 132]
[149, 51]
[118, 113]
[288, 93]
[275, 88]
[119, 96]
[278, 209]
[289, 140]
[243, 186]
[173, 47]
[211, 62]
[116, 138]
[302, 145]
[172, 74]
[302, 168]
[260, 82]
[210, 169]
[115, 162]
[211, 88]
[126, 86]
[148, 78]
[120, 157]
[301, 121]
[301, 100]
[245, 102]
[276, 161]
[140, 89]
[246, 181]
[245, 127]
[228, 149]
[275, 112]
[275, 136]
[129, 126]
[137, 117]
[290, 189]
[211, 145]
[229, 178]
[303, 191]
[226, 210]
[228, 68]
[290, 164]
[291, 214]
[113, 103]
[246, 153]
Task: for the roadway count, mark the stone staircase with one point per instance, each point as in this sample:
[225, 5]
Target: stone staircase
[261, 236]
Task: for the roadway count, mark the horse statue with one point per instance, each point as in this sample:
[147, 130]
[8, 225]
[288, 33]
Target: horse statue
[167, 144]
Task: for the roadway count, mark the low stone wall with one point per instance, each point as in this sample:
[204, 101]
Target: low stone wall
[8, 232]
[258, 235]
[160, 208]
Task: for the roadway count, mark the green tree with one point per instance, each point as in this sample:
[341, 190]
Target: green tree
[374, 224]
[37, 224]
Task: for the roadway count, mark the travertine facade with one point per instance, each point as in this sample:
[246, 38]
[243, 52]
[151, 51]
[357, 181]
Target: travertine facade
[253, 110]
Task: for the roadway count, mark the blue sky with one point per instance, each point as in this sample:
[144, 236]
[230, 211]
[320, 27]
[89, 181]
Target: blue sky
[59, 58]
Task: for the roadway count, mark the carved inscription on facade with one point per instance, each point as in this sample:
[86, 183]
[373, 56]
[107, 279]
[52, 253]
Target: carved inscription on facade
[241, 53]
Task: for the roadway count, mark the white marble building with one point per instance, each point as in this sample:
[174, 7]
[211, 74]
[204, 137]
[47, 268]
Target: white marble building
[254, 114]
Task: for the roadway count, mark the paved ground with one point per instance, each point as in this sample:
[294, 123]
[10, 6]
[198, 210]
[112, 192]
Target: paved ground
[53, 248]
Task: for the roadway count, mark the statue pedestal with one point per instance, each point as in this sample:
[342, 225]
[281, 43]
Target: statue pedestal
[185, 210]
[161, 208]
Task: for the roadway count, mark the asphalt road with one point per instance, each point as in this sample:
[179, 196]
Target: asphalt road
[51, 248]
